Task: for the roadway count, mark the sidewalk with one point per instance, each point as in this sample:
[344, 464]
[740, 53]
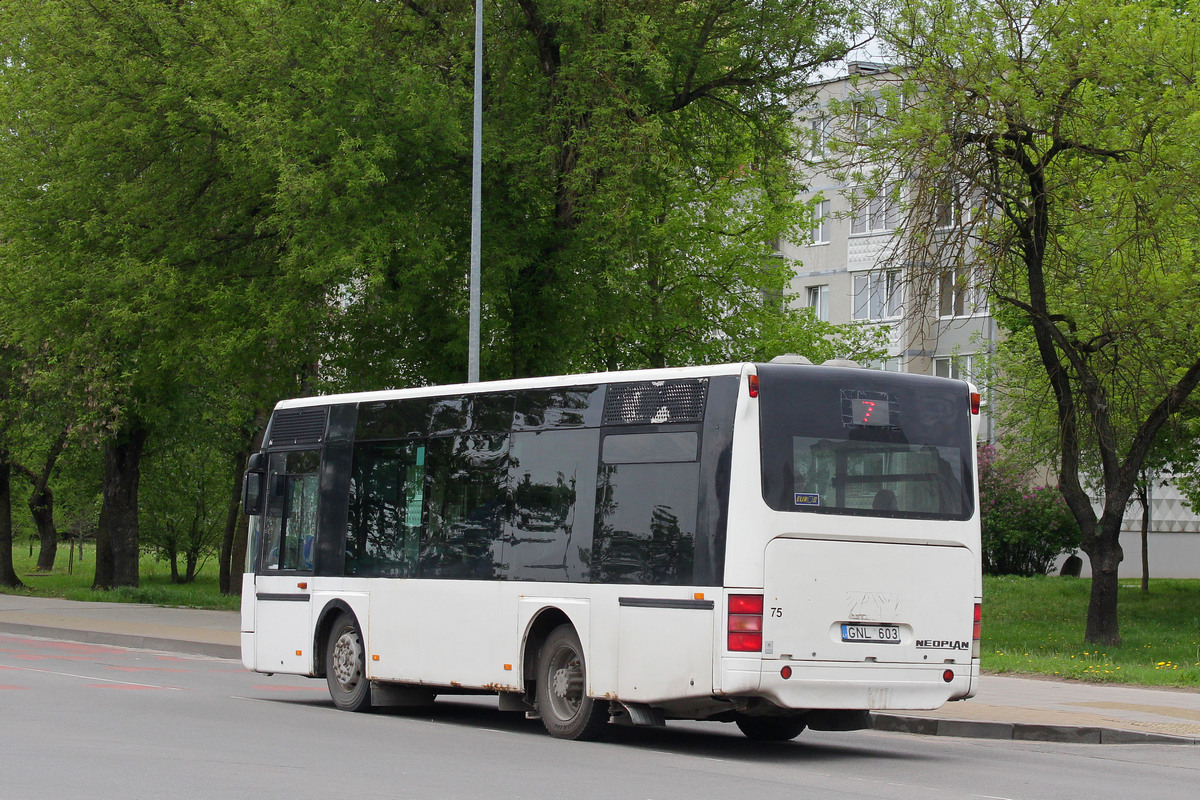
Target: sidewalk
[1005, 708]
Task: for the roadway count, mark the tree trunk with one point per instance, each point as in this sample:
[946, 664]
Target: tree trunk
[122, 471]
[238, 557]
[1105, 555]
[1143, 493]
[227, 566]
[41, 507]
[104, 555]
[8, 573]
[193, 558]
[237, 524]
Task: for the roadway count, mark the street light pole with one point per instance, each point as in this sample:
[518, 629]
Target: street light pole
[476, 203]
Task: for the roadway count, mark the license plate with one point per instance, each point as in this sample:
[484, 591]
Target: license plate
[878, 634]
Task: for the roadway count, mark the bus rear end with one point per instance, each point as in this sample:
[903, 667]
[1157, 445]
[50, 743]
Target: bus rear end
[853, 560]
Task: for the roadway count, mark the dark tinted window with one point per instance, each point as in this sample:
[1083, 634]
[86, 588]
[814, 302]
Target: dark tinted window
[387, 491]
[853, 441]
[577, 407]
[448, 415]
[465, 506]
[552, 480]
[492, 413]
[392, 419]
[645, 523]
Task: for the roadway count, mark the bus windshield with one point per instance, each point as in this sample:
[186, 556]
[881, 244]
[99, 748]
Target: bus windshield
[862, 442]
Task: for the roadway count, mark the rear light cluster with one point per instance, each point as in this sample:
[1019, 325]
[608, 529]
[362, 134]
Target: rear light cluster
[745, 623]
[977, 631]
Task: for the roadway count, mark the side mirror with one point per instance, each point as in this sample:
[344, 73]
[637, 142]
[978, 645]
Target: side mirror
[252, 484]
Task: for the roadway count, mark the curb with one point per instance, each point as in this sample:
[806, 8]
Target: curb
[1021, 731]
[213, 649]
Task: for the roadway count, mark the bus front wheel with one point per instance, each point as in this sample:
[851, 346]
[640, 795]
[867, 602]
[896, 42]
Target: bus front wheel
[562, 700]
[346, 666]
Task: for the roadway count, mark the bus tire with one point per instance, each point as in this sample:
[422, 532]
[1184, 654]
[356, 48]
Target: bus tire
[346, 666]
[562, 700]
[770, 729]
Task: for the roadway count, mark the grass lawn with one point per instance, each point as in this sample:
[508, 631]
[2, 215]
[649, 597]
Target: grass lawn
[1035, 625]
[74, 581]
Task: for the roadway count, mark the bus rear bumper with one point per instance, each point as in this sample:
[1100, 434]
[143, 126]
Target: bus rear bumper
[876, 687]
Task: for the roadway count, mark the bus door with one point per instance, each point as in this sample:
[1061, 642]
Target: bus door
[283, 609]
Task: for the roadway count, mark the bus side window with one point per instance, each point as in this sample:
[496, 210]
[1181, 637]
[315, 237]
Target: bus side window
[467, 504]
[387, 496]
[291, 523]
[552, 484]
[646, 507]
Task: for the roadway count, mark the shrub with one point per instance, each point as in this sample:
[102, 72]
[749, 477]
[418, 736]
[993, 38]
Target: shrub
[1025, 529]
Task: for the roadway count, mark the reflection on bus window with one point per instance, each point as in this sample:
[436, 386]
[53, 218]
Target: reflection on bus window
[877, 476]
[291, 527]
[387, 490]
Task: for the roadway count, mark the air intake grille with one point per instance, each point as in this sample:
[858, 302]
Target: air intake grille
[656, 402]
[298, 426]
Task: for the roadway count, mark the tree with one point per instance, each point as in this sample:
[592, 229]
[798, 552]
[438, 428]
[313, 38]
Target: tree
[1066, 135]
[127, 225]
[636, 173]
[185, 505]
[639, 171]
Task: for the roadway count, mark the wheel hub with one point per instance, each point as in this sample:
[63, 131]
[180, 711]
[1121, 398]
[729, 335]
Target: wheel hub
[346, 660]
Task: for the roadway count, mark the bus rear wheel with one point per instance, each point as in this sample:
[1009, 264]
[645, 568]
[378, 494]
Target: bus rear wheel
[562, 700]
[771, 729]
[346, 666]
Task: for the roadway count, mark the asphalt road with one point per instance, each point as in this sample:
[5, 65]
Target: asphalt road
[97, 722]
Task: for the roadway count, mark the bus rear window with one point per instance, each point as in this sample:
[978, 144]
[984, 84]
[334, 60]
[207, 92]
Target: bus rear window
[866, 443]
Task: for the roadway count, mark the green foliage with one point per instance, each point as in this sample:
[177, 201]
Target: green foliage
[186, 497]
[1025, 529]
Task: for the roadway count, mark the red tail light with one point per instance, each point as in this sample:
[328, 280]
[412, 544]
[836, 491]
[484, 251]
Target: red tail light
[977, 631]
[752, 385]
[975, 402]
[746, 604]
[745, 623]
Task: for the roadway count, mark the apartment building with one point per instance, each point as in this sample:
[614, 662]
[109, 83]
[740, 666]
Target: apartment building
[937, 324]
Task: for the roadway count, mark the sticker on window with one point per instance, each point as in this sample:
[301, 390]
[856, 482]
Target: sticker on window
[803, 499]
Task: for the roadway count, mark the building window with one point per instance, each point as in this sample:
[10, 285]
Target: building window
[818, 137]
[959, 367]
[818, 301]
[821, 229]
[961, 293]
[877, 295]
[956, 205]
[874, 214]
[891, 364]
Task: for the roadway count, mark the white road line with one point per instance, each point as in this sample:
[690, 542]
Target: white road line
[94, 678]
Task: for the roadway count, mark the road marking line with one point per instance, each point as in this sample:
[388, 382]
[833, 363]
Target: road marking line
[102, 680]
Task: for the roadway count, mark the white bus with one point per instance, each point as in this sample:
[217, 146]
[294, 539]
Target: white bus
[775, 545]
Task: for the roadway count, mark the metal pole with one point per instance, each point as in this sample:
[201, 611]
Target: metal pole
[476, 204]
